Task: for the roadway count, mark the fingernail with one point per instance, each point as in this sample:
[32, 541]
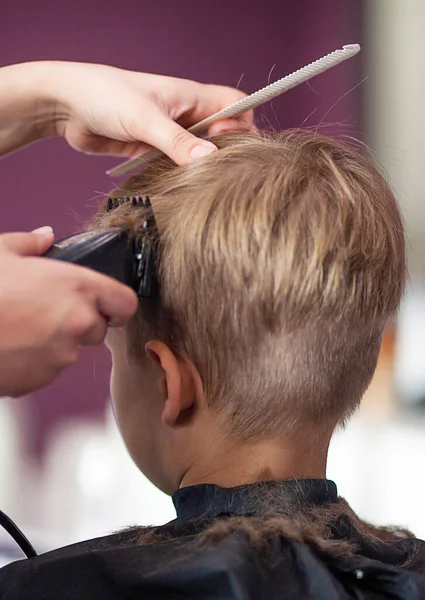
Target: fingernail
[46, 230]
[202, 150]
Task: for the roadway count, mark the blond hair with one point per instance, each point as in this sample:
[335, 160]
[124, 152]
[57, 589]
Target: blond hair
[280, 259]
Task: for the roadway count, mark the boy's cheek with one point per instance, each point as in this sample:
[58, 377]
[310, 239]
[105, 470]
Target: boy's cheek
[133, 399]
[120, 381]
[113, 387]
[135, 425]
[115, 338]
[107, 341]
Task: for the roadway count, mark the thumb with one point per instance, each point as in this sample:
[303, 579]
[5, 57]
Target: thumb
[175, 141]
[27, 244]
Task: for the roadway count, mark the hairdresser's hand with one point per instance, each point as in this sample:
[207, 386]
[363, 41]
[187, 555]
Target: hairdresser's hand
[111, 111]
[48, 309]
[105, 110]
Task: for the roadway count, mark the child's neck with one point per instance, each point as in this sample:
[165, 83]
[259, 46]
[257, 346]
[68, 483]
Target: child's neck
[239, 463]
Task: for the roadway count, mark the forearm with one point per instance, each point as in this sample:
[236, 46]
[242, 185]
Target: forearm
[28, 109]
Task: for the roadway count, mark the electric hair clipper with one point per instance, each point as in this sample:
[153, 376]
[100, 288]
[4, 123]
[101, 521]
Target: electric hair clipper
[130, 260]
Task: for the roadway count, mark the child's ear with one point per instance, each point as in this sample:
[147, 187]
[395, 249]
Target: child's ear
[178, 384]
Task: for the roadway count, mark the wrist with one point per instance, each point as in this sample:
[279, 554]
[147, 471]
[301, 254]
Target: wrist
[35, 106]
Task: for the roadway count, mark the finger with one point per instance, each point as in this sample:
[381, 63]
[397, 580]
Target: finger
[99, 144]
[96, 333]
[113, 300]
[84, 326]
[212, 98]
[228, 125]
[172, 139]
[27, 244]
[125, 149]
[47, 236]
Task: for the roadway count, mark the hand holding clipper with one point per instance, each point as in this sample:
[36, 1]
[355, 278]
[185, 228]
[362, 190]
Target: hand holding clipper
[55, 309]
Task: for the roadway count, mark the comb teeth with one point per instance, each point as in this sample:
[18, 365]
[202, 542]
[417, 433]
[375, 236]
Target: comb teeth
[136, 201]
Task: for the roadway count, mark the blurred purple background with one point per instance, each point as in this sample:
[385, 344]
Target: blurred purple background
[50, 184]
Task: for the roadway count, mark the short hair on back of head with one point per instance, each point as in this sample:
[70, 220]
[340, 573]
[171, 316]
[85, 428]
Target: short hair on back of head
[280, 259]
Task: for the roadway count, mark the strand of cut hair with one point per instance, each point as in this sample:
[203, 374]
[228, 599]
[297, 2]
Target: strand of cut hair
[250, 102]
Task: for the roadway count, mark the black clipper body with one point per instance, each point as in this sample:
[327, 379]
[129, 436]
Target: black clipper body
[113, 252]
[108, 252]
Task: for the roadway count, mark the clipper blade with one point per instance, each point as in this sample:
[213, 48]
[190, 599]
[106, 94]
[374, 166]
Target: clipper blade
[136, 201]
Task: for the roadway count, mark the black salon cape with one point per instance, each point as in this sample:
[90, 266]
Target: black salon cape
[116, 568]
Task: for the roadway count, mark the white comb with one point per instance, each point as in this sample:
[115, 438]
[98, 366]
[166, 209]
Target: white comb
[252, 101]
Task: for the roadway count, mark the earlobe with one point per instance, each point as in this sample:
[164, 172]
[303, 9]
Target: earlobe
[171, 412]
[179, 387]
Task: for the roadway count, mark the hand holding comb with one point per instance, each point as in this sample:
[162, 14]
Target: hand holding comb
[250, 102]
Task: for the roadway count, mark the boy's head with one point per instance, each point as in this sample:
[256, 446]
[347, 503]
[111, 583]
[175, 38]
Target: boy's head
[280, 259]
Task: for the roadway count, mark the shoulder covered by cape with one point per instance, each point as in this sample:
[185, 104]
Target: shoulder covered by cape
[230, 569]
